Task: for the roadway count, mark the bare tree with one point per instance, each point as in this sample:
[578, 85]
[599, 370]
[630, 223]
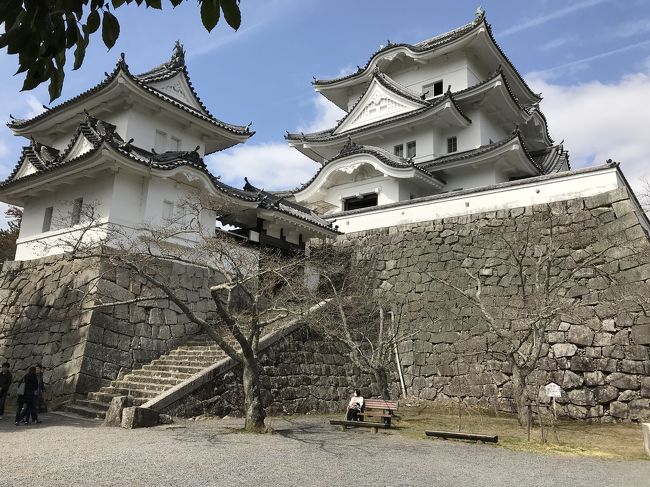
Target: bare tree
[365, 319]
[251, 288]
[541, 269]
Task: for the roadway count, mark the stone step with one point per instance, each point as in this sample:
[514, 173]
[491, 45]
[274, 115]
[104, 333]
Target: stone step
[188, 369]
[106, 398]
[194, 356]
[83, 411]
[140, 386]
[124, 391]
[163, 374]
[85, 403]
[185, 362]
[137, 377]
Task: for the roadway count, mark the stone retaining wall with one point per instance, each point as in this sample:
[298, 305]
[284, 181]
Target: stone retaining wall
[302, 373]
[48, 314]
[598, 353]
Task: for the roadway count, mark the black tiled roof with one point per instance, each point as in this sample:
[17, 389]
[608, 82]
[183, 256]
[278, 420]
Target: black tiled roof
[484, 149]
[162, 72]
[552, 159]
[430, 44]
[351, 148]
[102, 134]
[327, 135]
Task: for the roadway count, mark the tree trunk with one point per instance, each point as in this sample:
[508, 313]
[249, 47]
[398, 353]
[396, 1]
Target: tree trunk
[519, 393]
[381, 378]
[254, 409]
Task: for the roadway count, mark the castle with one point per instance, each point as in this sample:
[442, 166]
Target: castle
[439, 137]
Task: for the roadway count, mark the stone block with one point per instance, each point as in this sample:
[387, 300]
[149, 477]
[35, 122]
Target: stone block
[623, 381]
[639, 409]
[641, 334]
[114, 413]
[580, 335]
[583, 364]
[581, 397]
[139, 417]
[645, 387]
[605, 394]
[619, 410]
[571, 380]
[594, 378]
[564, 349]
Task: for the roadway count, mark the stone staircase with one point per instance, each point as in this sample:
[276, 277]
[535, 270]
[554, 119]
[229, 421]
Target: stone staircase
[152, 379]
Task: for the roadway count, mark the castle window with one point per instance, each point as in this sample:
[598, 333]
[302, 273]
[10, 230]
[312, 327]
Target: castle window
[410, 149]
[432, 89]
[160, 144]
[398, 150]
[76, 211]
[174, 143]
[47, 219]
[357, 202]
[452, 144]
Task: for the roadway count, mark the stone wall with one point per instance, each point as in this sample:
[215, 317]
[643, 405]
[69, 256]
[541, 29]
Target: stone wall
[302, 373]
[598, 353]
[50, 314]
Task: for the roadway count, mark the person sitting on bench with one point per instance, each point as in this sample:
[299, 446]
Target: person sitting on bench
[355, 406]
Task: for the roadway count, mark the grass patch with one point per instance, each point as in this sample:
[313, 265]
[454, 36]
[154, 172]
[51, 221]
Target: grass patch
[574, 438]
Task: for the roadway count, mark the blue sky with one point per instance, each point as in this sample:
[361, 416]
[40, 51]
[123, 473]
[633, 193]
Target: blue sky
[590, 59]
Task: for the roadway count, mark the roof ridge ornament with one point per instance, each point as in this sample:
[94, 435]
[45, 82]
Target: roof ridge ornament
[178, 55]
[480, 14]
[349, 146]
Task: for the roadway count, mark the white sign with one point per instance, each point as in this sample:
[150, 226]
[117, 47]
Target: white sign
[553, 390]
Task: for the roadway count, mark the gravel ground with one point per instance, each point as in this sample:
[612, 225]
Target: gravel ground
[66, 451]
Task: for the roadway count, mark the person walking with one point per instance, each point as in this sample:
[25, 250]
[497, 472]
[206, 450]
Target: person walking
[5, 383]
[26, 403]
[38, 395]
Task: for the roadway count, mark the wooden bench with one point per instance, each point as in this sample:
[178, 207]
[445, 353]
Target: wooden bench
[463, 436]
[372, 408]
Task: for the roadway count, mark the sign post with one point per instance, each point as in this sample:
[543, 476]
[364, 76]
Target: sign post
[553, 390]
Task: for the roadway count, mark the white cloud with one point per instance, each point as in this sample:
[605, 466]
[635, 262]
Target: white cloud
[270, 166]
[581, 64]
[559, 42]
[274, 165]
[599, 121]
[555, 14]
[35, 107]
[327, 115]
[632, 28]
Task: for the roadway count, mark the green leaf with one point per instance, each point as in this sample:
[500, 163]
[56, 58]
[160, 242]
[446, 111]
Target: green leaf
[93, 21]
[56, 83]
[231, 13]
[157, 4]
[176, 3]
[80, 51]
[110, 29]
[210, 14]
[117, 3]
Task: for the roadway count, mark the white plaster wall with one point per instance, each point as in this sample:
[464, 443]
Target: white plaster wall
[469, 177]
[451, 68]
[423, 137]
[96, 192]
[567, 187]
[389, 191]
[128, 198]
[142, 128]
[490, 129]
